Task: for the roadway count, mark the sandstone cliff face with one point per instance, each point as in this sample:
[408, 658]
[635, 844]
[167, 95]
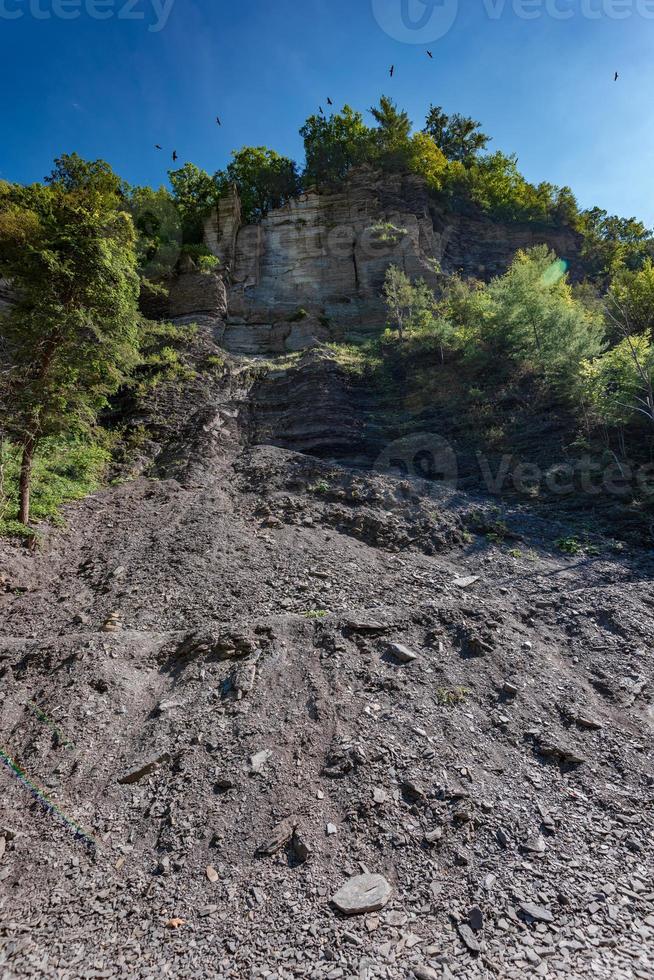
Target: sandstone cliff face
[313, 270]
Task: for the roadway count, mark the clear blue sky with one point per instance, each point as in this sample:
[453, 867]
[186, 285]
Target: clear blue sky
[542, 85]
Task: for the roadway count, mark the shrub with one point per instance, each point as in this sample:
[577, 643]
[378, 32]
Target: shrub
[617, 385]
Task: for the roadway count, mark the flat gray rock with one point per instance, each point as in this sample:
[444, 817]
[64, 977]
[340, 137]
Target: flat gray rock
[401, 653]
[425, 973]
[468, 936]
[536, 912]
[361, 894]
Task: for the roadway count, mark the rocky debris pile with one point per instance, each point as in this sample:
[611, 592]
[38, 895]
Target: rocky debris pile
[305, 751]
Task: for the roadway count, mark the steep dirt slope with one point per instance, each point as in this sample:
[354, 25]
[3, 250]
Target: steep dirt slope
[501, 781]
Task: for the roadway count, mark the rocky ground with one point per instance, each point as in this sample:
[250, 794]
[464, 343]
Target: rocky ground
[244, 686]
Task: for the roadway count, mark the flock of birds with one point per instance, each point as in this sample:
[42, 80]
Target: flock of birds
[391, 72]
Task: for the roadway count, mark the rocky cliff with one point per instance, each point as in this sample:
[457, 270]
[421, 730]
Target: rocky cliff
[5, 294]
[270, 715]
[313, 270]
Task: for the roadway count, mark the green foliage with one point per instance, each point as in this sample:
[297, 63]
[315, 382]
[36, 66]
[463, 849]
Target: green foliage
[427, 160]
[494, 183]
[72, 337]
[570, 545]
[157, 220]
[356, 359]
[162, 359]
[195, 194]
[74, 175]
[630, 298]
[334, 145]
[75, 337]
[412, 308]
[398, 294]
[450, 697]
[321, 487]
[612, 243]
[391, 139]
[213, 363]
[530, 314]
[265, 180]
[65, 469]
[207, 263]
[617, 385]
[387, 233]
[535, 316]
[458, 137]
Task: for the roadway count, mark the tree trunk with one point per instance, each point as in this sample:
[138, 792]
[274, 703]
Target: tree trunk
[25, 484]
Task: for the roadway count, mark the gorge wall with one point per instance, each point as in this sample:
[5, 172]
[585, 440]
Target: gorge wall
[313, 270]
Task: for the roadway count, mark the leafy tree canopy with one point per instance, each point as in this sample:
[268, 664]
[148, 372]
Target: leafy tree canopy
[158, 223]
[611, 243]
[391, 137]
[459, 137]
[88, 178]
[265, 180]
[334, 145]
[195, 193]
[618, 385]
[528, 315]
[630, 299]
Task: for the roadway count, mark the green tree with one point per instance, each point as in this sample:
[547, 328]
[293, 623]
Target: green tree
[536, 317]
[498, 187]
[630, 300]
[611, 243]
[73, 335]
[426, 159]
[411, 306]
[159, 227]
[195, 193]
[265, 180]
[75, 175]
[619, 384]
[334, 145]
[530, 315]
[467, 306]
[459, 137]
[564, 208]
[391, 138]
[494, 183]
[398, 294]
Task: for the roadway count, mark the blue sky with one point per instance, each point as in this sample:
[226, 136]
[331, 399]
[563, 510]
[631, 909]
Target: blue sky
[540, 81]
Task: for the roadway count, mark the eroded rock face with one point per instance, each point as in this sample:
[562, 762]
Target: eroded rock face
[324, 255]
[6, 296]
[197, 292]
[313, 270]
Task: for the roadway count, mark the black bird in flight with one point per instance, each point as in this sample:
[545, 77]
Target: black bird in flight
[218, 120]
[157, 147]
[430, 54]
[329, 101]
[392, 71]
[616, 77]
[174, 155]
[321, 110]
